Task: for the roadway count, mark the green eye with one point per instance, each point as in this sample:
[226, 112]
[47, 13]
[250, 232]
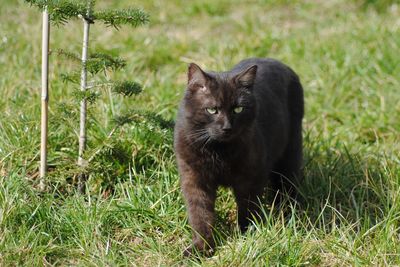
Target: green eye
[211, 110]
[238, 110]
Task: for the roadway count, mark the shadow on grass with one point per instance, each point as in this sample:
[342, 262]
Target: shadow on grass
[381, 6]
[348, 185]
[341, 187]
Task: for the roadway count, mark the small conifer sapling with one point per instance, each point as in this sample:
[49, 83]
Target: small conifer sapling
[60, 11]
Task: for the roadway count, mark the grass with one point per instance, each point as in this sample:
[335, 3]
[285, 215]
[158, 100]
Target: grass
[346, 53]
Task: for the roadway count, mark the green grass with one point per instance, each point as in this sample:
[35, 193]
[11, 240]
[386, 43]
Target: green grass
[347, 55]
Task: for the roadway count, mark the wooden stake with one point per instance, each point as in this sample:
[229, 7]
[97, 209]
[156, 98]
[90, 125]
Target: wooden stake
[44, 98]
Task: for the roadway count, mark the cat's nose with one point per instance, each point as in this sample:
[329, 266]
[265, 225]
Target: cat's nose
[227, 127]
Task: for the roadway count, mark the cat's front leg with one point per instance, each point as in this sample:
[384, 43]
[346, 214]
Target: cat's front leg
[248, 205]
[200, 201]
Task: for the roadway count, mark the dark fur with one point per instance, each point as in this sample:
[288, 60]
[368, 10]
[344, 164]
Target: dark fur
[257, 148]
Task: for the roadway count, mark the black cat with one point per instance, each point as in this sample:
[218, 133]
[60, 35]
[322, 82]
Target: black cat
[241, 129]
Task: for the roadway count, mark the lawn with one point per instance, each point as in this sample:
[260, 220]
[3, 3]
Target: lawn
[132, 214]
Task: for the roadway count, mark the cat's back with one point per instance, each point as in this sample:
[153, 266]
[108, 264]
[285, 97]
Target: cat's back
[276, 84]
[271, 72]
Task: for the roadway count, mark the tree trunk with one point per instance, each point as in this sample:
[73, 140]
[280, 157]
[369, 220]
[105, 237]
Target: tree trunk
[83, 108]
[44, 99]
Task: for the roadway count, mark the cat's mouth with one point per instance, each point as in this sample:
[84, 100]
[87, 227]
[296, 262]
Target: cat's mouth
[222, 137]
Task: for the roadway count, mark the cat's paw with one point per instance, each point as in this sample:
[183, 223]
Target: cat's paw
[196, 251]
[188, 252]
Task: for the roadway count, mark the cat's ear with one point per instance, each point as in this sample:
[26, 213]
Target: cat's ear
[196, 76]
[246, 78]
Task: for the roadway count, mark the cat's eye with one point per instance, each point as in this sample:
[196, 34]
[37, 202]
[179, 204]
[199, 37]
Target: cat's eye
[238, 110]
[211, 110]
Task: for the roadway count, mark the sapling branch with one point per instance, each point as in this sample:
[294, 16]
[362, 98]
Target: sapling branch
[126, 88]
[115, 18]
[73, 77]
[69, 55]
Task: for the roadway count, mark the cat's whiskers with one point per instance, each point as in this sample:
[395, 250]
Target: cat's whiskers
[206, 142]
[201, 139]
[195, 133]
[198, 137]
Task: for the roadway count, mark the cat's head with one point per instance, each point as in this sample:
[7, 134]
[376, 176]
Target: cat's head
[219, 106]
